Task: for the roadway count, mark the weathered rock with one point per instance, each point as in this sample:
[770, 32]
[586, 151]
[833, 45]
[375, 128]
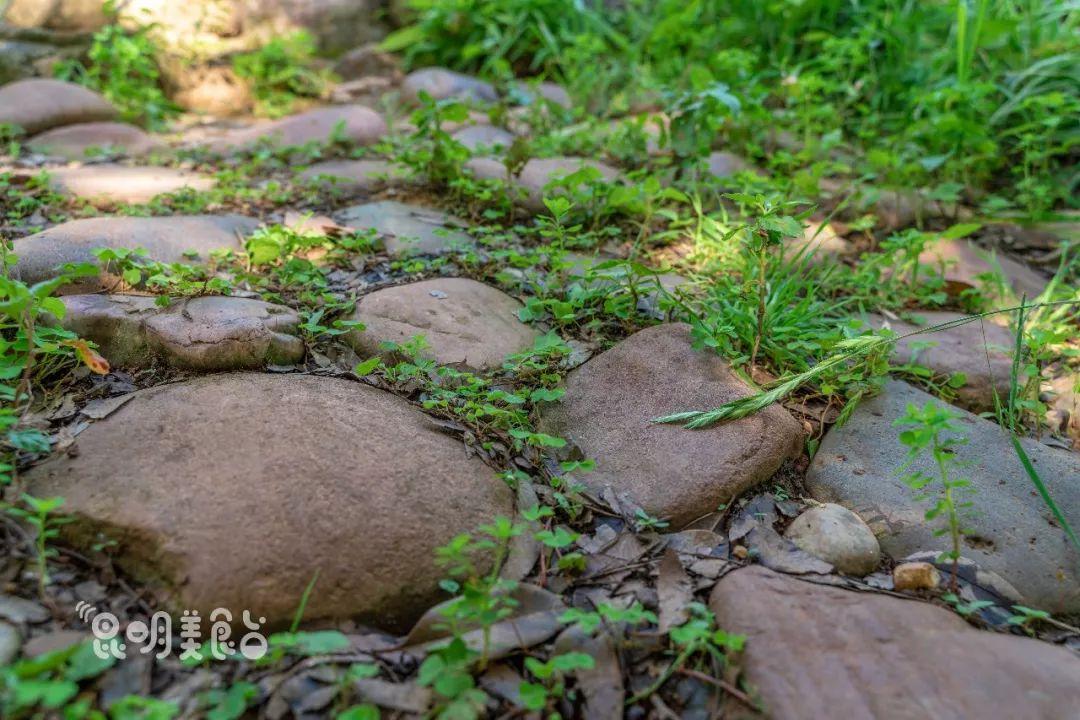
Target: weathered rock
[38, 105]
[725, 164]
[979, 350]
[291, 474]
[10, 642]
[204, 333]
[465, 322]
[837, 536]
[70, 15]
[355, 123]
[107, 185]
[26, 54]
[857, 466]
[819, 241]
[368, 61]
[814, 651]
[53, 641]
[671, 472]
[351, 176]
[475, 137]
[409, 229]
[166, 239]
[20, 611]
[549, 91]
[914, 576]
[963, 262]
[538, 173]
[1064, 413]
[213, 89]
[442, 84]
[76, 142]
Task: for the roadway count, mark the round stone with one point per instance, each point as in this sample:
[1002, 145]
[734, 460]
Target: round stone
[837, 536]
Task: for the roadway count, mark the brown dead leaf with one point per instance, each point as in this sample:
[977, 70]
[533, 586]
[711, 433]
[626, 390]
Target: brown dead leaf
[675, 591]
[88, 356]
[601, 686]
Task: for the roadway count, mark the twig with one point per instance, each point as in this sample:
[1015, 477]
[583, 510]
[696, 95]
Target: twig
[722, 684]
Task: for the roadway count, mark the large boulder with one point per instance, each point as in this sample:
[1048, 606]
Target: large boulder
[671, 472]
[203, 333]
[108, 185]
[408, 229]
[235, 490]
[354, 123]
[464, 321]
[40, 104]
[166, 239]
[76, 142]
[814, 651]
[1010, 529]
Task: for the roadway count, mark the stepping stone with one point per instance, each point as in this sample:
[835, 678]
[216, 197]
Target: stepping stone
[233, 490]
[39, 104]
[537, 173]
[76, 142]
[107, 185]
[814, 651]
[353, 176]
[671, 472]
[552, 92]
[1011, 530]
[357, 123]
[476, 137]
[964, 262]
[465, 322]
[443, 84]
[819, 242]
[982, 351]
[204, 333]
[409, 229]
[166, 239]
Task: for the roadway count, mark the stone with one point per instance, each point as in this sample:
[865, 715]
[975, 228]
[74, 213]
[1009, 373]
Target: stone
[476, 137]
[166, 239]
[857, 465]
[232, 490]
[76, 142]
[549, 91]
[814, 651]
[465, 322]
[820, 241]
[443, 84]
[107, 185]
[979, 350]
[669, 471]
[914, 576]
[1064, 413]
[204, 333]
[838, 536]
[19, 610]
[215, 90]
[963, 262]
[356, 123]
[537, 173]
[53, 641]
[353, 176]
[724, 164]
[409, 229]
[68, 15]
[39, 104]
[10, 643]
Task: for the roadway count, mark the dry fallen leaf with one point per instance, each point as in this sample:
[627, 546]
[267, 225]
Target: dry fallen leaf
[89, 356]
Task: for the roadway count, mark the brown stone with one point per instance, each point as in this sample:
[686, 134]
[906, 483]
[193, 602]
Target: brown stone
[352, 176]
[963, 262]
[465, 322]
[814, 651]
[108, 185]
[356, 123]
[39, 104]
[912, 576]
[671, 472]
[76, 142]
[166, 239]
[234, 490]
[204, 333]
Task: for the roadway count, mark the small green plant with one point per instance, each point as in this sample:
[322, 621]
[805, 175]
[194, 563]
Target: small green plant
[538, 696]
[931, 431]
[282, 71]
[41, 515]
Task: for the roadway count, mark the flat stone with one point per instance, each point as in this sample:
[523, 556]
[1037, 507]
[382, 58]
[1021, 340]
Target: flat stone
[724, 164]
[464, 321]
[819, 241]
[10, 642]
[352, 176]
[233, 490]
[204, 333]
[409, 229]
[814, 651]
[979, 350]
[915, 576]
[53, 641]
[838, 536]
[443, 84]
[1012, 531]
[671, 472]
[552, 92]
[166, 239]
[40, 104]
[356, 123]
[76, 142]
[1064, 411]
[537, 173]
[964, 261]
[476, 137]
[106, 185]
[19, 610]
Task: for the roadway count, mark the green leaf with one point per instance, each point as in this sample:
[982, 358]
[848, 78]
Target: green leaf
[310, 643]
[367, 367]
[533, 697]
[360, 712]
